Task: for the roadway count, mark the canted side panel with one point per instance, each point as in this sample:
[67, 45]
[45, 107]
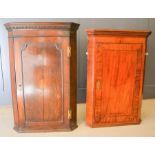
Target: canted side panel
[73, 79]
[42, 80]
[117, 83]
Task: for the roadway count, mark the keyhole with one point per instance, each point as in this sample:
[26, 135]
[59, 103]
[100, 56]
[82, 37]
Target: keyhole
[98, 85]
[19, 85]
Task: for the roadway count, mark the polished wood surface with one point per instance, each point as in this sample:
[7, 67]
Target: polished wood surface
[115, 76]
[43, 75]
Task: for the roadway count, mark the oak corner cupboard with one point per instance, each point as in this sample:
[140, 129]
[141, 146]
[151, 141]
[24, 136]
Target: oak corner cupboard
[43, 75]
[115, 76]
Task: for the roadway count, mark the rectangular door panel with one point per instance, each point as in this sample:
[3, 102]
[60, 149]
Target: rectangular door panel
[42, 79]
[116, 70]
[53, 83]
[33, 80]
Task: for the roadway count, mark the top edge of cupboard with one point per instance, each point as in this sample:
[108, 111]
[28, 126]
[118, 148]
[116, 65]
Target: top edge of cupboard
[142, 33]
[67, 26]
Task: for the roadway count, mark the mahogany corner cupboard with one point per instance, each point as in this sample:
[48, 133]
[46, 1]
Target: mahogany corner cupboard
[43, 75]
[115, 76]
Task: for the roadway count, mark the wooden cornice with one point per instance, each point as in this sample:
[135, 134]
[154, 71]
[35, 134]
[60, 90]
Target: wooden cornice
[138, 33]
[42, 25]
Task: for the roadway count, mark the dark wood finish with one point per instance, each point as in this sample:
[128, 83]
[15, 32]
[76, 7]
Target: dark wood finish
[115, 76]
[43, 75]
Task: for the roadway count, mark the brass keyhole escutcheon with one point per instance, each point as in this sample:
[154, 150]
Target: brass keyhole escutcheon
[98, 84]
[19, 85]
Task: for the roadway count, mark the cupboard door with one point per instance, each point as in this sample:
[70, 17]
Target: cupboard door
[118, 76]
[40, 81]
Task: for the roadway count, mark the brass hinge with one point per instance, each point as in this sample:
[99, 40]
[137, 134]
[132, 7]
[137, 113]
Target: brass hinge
[68, 51]
[69, 114]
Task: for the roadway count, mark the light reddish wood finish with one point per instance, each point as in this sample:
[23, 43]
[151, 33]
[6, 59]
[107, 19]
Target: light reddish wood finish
[115, 76]
[43, 75]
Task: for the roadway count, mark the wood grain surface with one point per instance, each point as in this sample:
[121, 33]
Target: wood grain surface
[43, 89]
[115, 76]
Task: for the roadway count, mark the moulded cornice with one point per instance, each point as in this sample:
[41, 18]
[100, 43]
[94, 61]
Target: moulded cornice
[42, 25]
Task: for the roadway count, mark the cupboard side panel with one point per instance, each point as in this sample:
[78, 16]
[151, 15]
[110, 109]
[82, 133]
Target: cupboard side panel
[73, 79]
[144, 48]
[67, 82]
